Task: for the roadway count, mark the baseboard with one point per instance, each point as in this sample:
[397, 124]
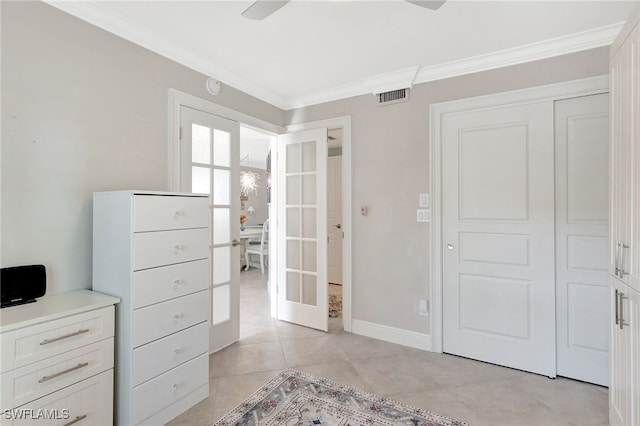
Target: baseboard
[391, 334]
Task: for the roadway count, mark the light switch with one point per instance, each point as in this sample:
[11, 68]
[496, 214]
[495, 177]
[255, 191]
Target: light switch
[424, 199]
[423, 215]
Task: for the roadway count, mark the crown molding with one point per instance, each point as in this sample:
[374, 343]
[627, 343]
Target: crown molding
[96, 14]
[572, 43]
[401, 79]
[585, 40]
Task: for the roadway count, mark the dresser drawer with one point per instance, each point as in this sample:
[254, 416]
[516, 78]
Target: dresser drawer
[31, 344]
[157, 213]
[33, 381]
[153, 249]
[159, 320]
[164, 354]
[167, 282]
[87, 403]
[162, 391]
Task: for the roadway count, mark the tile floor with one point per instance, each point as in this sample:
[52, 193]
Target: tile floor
[470, 391]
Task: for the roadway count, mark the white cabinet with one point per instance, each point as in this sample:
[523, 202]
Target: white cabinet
[152, 251]
[57, 360]
[625, 157]
[624, 243]
[624, 399]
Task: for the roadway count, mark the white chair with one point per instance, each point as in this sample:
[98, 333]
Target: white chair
[260, 249]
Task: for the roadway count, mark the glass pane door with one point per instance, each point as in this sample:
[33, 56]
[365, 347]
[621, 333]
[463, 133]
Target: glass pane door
[302, 208]
[209, 159]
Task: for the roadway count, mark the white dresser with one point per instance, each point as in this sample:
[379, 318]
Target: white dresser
[151, 250]
[57, 360]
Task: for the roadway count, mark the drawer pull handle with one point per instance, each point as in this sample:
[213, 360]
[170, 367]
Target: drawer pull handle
[621, 270]
[617, 259]
[178, 316]
[76, 420]
[68, 370]
[617, 308]
[178, 282]
[66, 336]
[178, 350]
[178, 213]
[178, 247]
[176, 386]
[622, 297]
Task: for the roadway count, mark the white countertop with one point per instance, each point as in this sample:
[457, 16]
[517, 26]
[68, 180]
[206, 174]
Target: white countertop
[52, 307]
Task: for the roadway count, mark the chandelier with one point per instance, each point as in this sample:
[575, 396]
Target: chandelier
[249, 182]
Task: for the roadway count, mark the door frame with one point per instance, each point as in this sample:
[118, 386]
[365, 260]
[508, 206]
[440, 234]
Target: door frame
[551, 92]
[343, 123]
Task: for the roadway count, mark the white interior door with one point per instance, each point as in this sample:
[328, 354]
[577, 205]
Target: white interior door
[582, 294]
[498, 236]
[302, 228]
[334, 218]
[209, 165]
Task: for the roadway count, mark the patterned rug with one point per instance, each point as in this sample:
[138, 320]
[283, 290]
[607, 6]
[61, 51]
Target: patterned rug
[335, 306]
[294, 398]
[335, 301]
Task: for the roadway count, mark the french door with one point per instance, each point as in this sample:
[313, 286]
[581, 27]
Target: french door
[209, 163]
[302, 228]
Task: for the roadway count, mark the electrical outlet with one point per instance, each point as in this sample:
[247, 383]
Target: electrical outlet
[424, 307]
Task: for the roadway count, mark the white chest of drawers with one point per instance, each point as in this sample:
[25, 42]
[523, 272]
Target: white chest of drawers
[56, 364]
[152, 251]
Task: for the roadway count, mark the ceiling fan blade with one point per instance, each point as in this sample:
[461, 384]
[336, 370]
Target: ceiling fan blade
[429, 4]
[260, 9]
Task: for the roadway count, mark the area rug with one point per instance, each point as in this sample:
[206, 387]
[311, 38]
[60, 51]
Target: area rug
[335, 301]
[335, 306]
[294, 398]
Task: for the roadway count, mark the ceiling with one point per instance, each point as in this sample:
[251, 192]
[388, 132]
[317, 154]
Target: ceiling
[310, 52]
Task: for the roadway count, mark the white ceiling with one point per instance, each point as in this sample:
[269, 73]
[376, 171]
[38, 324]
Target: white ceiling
[315, 51]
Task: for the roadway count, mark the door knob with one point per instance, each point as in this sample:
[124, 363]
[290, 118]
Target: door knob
[338, 226]
[450, 246]
[235, 243]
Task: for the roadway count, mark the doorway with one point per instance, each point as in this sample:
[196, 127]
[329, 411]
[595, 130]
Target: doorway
[178, 99]
[333, 154]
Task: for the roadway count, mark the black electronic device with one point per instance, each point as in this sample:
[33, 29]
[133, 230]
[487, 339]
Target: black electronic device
[22, 284]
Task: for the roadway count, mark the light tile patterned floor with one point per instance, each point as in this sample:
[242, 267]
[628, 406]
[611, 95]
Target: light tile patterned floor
[471, 391]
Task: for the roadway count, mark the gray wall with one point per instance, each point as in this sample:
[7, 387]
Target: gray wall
[390, 147]
[82, 111]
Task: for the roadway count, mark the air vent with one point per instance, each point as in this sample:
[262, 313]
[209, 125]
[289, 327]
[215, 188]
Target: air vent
[393, 97]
